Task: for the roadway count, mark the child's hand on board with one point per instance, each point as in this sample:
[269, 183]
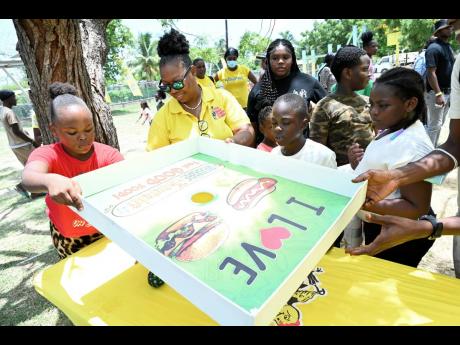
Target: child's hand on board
[66, 191]
[355, 154]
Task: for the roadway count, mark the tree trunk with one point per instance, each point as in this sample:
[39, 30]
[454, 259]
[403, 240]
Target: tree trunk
[72, 51]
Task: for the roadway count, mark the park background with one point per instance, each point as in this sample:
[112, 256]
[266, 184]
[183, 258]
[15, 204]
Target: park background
[131, 75]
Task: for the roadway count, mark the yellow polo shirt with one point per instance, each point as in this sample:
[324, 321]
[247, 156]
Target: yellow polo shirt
[236, 82]
[219, 109]
[205, 82]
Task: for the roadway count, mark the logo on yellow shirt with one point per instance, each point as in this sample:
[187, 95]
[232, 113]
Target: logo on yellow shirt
[217, 113]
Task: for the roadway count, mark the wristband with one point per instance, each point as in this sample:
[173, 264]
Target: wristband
[439, 94]
[437, 227]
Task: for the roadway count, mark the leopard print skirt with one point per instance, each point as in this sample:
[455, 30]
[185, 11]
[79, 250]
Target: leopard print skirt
[66, 246]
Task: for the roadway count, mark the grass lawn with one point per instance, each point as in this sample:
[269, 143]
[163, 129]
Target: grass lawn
[25, 241]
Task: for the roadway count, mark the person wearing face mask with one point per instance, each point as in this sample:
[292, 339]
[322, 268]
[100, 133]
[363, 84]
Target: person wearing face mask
[235, 77]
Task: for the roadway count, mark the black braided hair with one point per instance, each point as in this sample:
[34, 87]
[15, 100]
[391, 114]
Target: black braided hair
[173, 46]
[267, 87]
[406, 84]
[346, 57]
[63, 95]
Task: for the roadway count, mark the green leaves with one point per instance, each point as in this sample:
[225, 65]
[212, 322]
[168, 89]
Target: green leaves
[118, 38]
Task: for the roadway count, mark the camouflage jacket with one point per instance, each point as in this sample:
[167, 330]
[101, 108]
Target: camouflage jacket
[339, 121]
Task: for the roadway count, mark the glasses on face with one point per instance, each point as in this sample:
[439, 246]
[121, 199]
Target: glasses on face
[203, 127]
[176, 85]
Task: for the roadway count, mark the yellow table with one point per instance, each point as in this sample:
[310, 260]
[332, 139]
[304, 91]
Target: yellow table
[102, 285]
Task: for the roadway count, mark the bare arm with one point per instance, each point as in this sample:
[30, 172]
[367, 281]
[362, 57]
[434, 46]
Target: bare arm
[398, 230]
[414, 202]
[243, 135]
[63, 190]
[252, 77]
[216, 78]
[433, 80]
[382, 183]
[22, 135]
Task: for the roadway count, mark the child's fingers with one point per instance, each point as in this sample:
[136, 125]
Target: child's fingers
[75, 195]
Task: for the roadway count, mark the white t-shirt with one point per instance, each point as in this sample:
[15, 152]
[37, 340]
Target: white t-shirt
[9, 118]
[396, 150]
[454, 110]
[313, 152]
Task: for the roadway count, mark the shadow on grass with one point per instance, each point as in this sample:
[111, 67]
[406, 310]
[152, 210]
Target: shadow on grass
[15, 215]
[8, 174]
[22, 303]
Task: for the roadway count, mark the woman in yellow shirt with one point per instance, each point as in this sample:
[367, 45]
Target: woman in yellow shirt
[201, 76]
[193, 110]
[235, 77]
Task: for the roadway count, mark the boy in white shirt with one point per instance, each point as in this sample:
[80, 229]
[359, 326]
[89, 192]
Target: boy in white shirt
[290, 118]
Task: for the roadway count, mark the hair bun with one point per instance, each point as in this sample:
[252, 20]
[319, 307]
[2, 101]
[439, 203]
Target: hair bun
[58, 88]
[367, 36]
[173, 43]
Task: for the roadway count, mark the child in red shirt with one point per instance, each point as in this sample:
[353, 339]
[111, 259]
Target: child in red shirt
[51, 167]
[265, 127]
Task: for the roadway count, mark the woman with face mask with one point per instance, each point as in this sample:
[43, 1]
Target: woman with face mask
[235, 77]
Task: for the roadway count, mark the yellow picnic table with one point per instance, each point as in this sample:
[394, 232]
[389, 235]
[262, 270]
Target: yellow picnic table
[102, 285]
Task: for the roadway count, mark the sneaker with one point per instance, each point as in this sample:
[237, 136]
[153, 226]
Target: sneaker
[21, 190]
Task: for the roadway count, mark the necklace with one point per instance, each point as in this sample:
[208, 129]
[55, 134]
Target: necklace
[195, 107]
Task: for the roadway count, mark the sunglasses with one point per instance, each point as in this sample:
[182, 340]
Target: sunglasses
[176, 85]
[203, 127]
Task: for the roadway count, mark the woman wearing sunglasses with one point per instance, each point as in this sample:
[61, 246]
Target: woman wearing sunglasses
[192, 110]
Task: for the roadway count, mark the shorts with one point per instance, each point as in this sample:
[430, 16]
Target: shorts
[66, 246]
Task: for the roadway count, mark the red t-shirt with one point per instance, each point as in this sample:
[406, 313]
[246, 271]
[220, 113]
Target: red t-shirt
[60, 162]
[264, 147]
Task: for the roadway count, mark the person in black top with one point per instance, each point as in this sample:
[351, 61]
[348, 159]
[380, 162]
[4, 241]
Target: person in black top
[282, 76]
[439, 60]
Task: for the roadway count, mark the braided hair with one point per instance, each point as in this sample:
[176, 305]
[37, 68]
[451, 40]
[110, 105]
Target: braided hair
[406, 84]
[63, 95]
[267, 87]
[173, 46]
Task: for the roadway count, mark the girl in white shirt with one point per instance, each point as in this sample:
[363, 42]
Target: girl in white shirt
[398, 111]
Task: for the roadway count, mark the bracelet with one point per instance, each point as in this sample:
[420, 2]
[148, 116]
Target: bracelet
[439, 94]
[449, 155]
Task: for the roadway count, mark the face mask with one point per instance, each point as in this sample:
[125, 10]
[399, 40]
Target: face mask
[232, 64]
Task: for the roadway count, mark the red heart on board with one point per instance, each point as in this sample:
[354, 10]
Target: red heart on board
[271, 237]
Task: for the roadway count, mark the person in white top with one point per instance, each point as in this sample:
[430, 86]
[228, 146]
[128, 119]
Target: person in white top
[397, 108]
[290, 118]
[19, 140]
[146, 113]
